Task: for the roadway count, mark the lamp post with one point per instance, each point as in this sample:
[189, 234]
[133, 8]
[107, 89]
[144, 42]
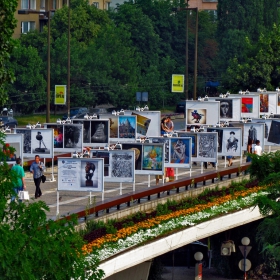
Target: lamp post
[198, 256]
[187, 52]
[68, 70]
[245, 264]
[48, 14]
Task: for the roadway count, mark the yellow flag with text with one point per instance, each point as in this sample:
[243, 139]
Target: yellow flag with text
[177, 83]
[60, 95]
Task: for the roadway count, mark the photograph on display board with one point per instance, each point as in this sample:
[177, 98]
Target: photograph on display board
[232, 142]
[72, 136]
[26, 139]
[196, 116]
[252, 133]
[127, 127]
[179, 150]
[90, 174]
[121, 164]
[41, 141]
[194, 141]
[278, 99]
[99, 131]
[152, 157]
[207, 145]
[226, 108]
[247, 104]
[220, 137]
[264, 103]
[113, 124]
[143, 124]
[102, 154]
[86, 132]
[137, 147]
[165, 141]
[274, 132]
[10, 156]
[57, 136]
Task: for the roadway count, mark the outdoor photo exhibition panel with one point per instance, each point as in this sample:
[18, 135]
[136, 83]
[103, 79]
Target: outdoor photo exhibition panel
[202, 113]
[177, 150]
[149, 157]
[254, 131]
[66, 137]
[119, 165]
[206, 147]
[268, 102]
[230, 109]
[80, 174]
[95, 132]
[37, 141]
[271, 131]
[250, 105]
[15, 141]
[232, 141]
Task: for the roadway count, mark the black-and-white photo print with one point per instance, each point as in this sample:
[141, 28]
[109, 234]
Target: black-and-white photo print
[225, 108]
[207, 146]
[42, 142]
[26, 139]
[232, 141]
[220, 137]
[72, 136]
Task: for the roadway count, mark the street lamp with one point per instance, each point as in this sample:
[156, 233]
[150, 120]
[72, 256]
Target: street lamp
[48, 14]
[198, 256]
[187, 52]
[68, 70]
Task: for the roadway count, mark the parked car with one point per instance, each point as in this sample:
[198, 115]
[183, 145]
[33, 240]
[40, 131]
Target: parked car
[6, 121]
[181, 107]
[76, 113]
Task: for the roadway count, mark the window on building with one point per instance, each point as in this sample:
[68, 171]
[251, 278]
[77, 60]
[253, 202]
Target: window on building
[107, 5]
[96, 4]
[42, 4]
[28, 4]
[27, 26]
[54, 6]
[213, 14]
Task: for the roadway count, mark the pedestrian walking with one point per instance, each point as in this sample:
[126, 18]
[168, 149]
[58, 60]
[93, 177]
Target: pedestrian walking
[37, 168]
[19, 184]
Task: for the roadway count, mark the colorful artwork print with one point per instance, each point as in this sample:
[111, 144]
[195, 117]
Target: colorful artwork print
[247, 105]
[127, 126]
[57, 136]
[9, 155]
[196, 116]
[152, 157]
[278, 95]
[143, 124]
[264, 103]
[194, 141]
[165, 141]
[206, 145]
[180, 150]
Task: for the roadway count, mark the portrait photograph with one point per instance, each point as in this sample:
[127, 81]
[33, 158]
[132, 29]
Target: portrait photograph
[127, 127]
[226, 108]
[137, 148]
[180, 150]
[193, 141]
[232, 142]
[264, 103]
[196, 116]
[152, 157]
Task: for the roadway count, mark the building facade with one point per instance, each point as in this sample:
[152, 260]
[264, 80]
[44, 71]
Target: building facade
[37, 17]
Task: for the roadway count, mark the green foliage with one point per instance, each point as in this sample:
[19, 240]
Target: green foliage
[33, 247]
[7, 26]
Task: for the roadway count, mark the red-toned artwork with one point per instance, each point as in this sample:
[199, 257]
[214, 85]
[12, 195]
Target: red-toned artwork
[247, 105]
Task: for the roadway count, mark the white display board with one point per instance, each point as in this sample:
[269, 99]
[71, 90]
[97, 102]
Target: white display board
[250, 105]
[95, 132]
[268, 102]
[66, 137]
[177, 150]
[15, 141]
[119, 165]
[149, 157]
[80, 174]
[230, 108]
[202, 113]
[255, 131]
[271, 131]
[37, 141]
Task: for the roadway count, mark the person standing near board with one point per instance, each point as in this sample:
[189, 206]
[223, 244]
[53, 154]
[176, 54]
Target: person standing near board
[37, 168]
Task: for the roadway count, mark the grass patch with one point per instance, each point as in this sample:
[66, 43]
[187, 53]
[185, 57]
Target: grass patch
[34, 118]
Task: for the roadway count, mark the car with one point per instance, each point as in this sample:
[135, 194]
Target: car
[76, 113]
[98, 111]
[181, 107]
[7, 121]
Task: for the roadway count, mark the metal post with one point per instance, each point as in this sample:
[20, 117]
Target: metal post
[195, 57]
[244, 267]
[49, 68]
[187, 55]
[68, 70]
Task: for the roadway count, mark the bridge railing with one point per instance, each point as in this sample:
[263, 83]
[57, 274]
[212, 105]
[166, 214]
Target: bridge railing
[181, 185]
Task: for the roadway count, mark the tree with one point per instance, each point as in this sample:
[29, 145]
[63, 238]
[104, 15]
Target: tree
[33, 247]
[7, 26]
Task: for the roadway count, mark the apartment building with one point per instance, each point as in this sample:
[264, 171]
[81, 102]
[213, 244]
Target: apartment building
[37, 18]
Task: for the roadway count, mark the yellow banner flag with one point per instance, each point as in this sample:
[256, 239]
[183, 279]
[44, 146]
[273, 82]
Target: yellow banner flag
[60, 95]
[177, 83]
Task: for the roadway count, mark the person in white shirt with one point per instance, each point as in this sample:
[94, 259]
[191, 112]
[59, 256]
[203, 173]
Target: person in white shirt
[258, 148]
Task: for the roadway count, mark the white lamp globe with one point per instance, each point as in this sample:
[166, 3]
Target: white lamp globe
[245, 241]
[198, 256]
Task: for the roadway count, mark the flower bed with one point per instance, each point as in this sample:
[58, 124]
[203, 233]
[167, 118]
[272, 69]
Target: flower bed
[155, 226]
